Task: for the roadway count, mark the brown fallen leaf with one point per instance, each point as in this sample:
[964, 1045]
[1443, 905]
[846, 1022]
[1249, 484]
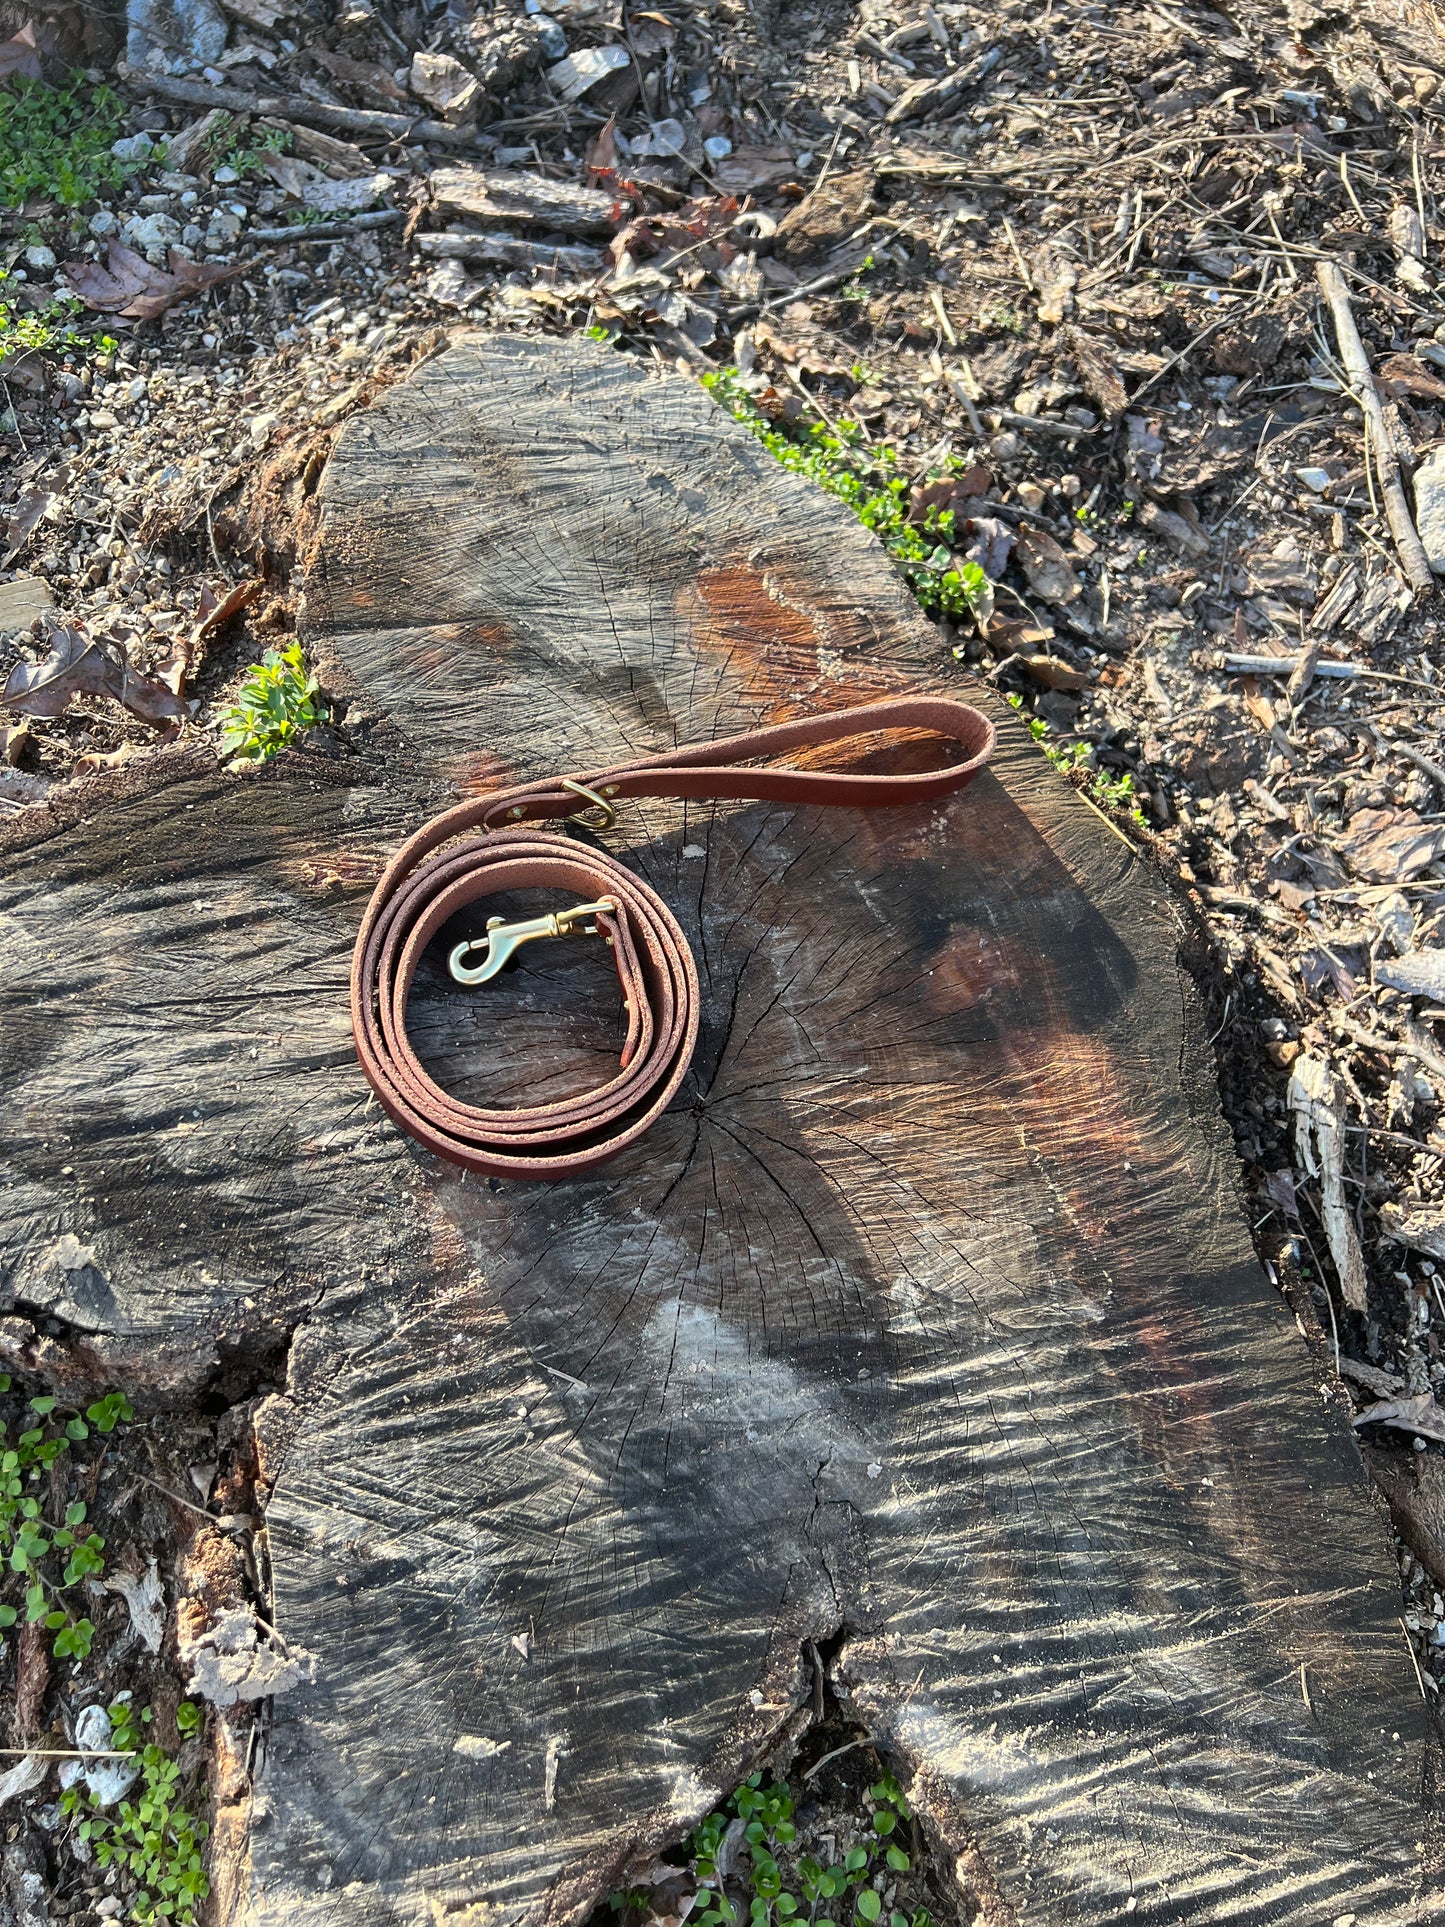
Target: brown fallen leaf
[128, 286]
[80, 664]
[1419, 1414]
[1052, 672]
[30, 511]
[1048, 569]
[21, 55]
[212, 616]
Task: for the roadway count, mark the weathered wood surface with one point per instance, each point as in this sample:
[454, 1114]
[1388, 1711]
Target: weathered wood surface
[929, 1316]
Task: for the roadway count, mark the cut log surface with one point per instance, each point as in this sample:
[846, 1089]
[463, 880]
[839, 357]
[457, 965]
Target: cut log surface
[927, 1317]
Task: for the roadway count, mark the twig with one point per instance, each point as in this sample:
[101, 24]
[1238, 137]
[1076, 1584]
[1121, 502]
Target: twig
[943, 321]
[1410, 548]
[60, 1753]
[1018, 254]
[1421, 762]
[1410, 1649]
[837, 1753]
[329, 230]
[1069, 430]
[311, 113]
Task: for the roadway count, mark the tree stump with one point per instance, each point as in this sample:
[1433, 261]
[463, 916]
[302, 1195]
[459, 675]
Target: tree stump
[926, 1322]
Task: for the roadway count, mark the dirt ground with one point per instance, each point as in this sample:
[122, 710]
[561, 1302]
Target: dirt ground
[1068, 269]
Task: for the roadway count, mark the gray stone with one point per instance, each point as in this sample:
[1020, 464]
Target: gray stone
[134, 150]
[153, 234]
[193, 30]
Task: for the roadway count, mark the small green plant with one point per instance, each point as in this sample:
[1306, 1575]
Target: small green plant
[55, 141]
[834, 460]
[1112, 792]
[277, 701]
[1000, 317]
[154, 1838]
[598, 333]
[863, 375]
[50, 1559]
[50, 329]
[854, 290]
[765, 1882]
[250, 160]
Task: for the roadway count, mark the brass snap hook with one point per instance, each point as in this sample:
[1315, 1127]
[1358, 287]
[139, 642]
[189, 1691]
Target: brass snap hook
[503, 938]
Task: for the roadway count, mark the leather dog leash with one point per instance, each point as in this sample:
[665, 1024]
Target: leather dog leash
[445, 867]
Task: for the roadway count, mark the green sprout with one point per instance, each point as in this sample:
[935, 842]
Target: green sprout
[834, 460]
[779, 1887]
[1111, 792]
[50, 1560]
[154, 1839]
[277, 701]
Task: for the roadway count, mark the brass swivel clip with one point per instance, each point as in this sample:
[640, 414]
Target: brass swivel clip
[503, 938]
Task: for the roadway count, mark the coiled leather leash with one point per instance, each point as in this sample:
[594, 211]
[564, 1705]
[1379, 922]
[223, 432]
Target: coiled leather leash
[447, 866]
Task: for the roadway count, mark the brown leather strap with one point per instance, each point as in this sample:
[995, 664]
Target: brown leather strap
[445, 867]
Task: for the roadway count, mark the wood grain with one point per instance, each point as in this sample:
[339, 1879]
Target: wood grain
[927, 1317]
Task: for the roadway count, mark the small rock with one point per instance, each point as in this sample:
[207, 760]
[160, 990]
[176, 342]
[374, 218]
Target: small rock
[1430, 507]
[667, 137]
[40, 259]
[153, 234]
[582, 71]
[262, 428]
[108, 1780]
[225, 176]
[1004, 447]
[717, 147]
[195, 29]
[1318, 479]
[134, 149]
[1031, 495]
[102, 223]
[444, 83]
[551, 38]
[102, 418]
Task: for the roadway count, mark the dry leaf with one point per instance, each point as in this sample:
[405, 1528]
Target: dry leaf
[130, 287]
[80, 664]
[1048, 569]
[1420, 1415]
[30, 512]
[21, 56]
